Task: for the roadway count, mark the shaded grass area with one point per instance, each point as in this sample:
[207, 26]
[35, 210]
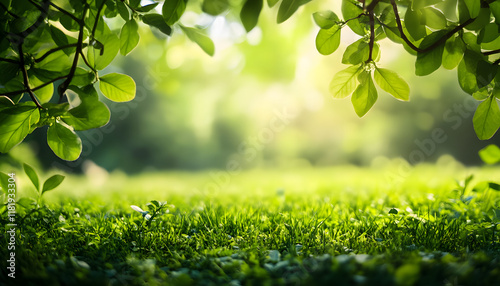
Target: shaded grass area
[345, 225]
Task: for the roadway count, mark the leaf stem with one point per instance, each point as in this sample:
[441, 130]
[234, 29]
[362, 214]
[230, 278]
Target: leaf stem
[8, 60]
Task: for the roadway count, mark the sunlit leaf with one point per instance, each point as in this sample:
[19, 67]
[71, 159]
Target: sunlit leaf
[453, 52]
[490, 154]
[328, 40]
[15, 124]
[214, 7]
[64, 142]
[205, 43]
[392, 83]
[117, 87]
[365, 95]
[91, 113]
[325, 19]
[486, 119]
[32, 175]
[344, 82]
[52, 183]
[473, 6]
[129, 37]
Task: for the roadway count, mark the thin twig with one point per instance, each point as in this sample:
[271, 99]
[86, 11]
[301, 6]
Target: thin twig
[435, 44]
[8, 60]
[25, 77]
[97, 18]
[86, 62]
[33, 89]
[488, 53]
[7, 10]
[53, 51]
[65, 84]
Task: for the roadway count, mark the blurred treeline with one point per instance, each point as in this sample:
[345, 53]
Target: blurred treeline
[263, 100]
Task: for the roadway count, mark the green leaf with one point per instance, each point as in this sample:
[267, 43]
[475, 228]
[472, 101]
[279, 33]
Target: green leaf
[157, 21]
[325, 19]
[82, 77]
[147, 8]
[52, 183]
[328, 40]
[494, 186]
[474, 6]
[250, 13]
[9, 71]
[271, 3]
[195, 35]
[495, 10]
[32, 176]
[172, 10]
[486, 118]
[60, 39]
[288, 8]
[392, 83]
[98, 57]
[365, 95]
[57, 61]
[467, 72]
[43, 94]
[485, 72]
[344, 82]
[413, 24]
[433, 18]
[214, 7]
[129, 37]
[393, 211]
[117, 87]
[429, 62]
[4, 182]
[15, 124]
[64, 142]
[122, 10]
[453, 52]
[359, 51]
[91, 113]
[490, 154]
[351, 10]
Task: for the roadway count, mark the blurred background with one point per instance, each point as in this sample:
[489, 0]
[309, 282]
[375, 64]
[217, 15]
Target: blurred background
[263, 101]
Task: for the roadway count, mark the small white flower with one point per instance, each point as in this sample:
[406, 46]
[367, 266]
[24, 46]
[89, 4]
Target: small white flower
[144, 213]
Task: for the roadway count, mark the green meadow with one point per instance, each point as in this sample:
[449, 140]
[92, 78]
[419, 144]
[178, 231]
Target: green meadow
[431, 225]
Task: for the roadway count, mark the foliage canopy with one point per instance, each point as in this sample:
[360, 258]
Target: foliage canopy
[52, 53]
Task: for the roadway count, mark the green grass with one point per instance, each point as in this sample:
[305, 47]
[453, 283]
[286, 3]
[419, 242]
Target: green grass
[347, 225]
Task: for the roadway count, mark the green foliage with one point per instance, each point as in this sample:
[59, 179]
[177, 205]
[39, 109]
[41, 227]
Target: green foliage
[48, 48]
[490, 154]
[49, 184]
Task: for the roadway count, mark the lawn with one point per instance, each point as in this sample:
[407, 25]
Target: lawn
[385, 225]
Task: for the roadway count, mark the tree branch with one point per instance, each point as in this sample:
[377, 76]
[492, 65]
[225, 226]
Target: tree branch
[97, 18]
[66, 13]
[25, 77]
[8, 94]
[65, 84]
[372, 34]
[488, 53]
[372, 5]
[435, 44]
[8, 60]
[53, 51]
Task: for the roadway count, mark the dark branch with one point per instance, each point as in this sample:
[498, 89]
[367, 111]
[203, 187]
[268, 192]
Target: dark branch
[11, 93]
[53, 51]
[7, 10]
[435, 44]
[25, 77]
[97, 18]
[8, 60]
[372, 35]
[488, 53]
[65, 84]
[371, 6]
[66, 13]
